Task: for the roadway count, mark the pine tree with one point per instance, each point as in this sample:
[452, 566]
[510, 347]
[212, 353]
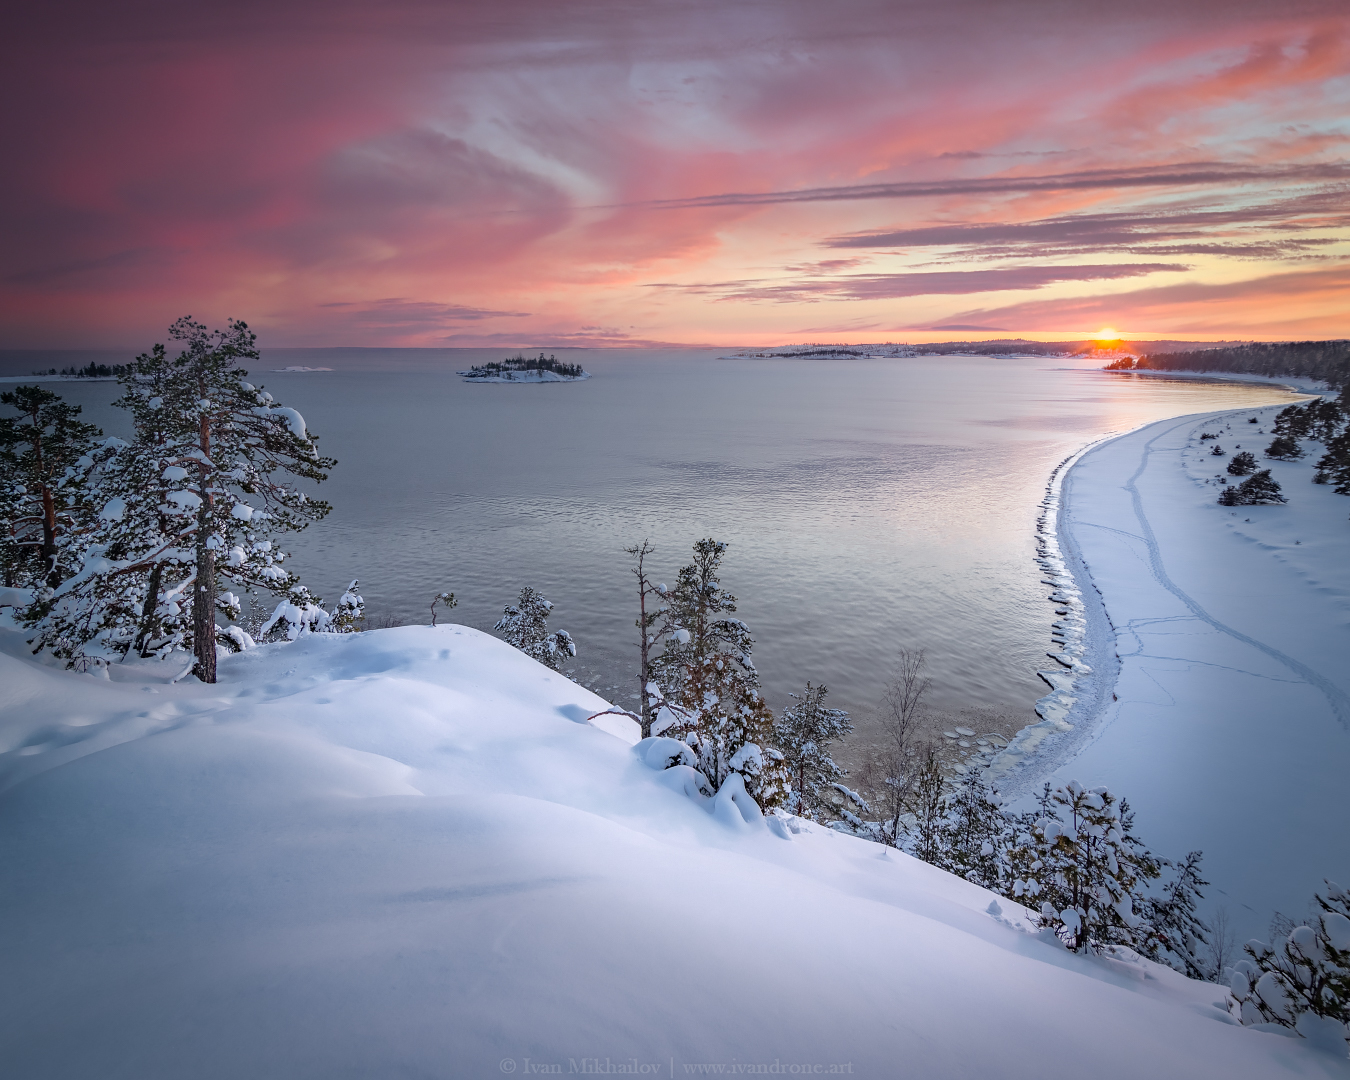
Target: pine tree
[1081, 861]
[1256, 489]
[1293, 423]
[1243, 464]
[524, 624]
[45, 451]
[1325, 418]
[1306, 972]
[803, 734]
[1176, 932]
[709, 686]
[922, 835]
[176, 520]
[1284, 448]
[1334, 466]
[974, 833]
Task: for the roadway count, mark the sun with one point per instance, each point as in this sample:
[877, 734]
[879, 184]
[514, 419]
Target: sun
[1107, 333]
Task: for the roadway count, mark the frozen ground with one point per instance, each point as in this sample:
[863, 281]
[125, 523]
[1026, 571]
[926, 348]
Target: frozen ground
[405, 853]
[1219, 646]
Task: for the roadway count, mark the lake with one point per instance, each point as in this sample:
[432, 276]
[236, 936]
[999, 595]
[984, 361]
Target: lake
[869, 505]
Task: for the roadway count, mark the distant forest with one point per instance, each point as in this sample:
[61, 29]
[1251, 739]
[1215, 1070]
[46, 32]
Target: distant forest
[90, 371]
[1327, 360]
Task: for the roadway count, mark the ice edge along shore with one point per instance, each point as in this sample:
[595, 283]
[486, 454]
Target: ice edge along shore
[1082, 632]
[1086, 666]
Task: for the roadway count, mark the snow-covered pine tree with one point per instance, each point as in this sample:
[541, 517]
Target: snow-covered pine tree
[1294, 422]
[974, 833]
[524, 624]
[1307, 972]
[1256, 489]
[710, 685]
[1284, 448]
[134, 567]
[1079, 860]
[1176, 934]
[1243, 464]
[1326, 416]
[803, 734]
[45, 453]
[176, 498]
[927, 799]
[1333, 467]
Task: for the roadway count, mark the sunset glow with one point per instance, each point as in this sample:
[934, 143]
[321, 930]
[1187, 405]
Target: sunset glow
[621, 173]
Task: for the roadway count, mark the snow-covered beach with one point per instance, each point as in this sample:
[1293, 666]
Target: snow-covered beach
[1219, 695]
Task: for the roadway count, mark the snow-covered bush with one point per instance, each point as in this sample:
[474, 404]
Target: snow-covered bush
[803, 734]
[974, 833]
[524, 624]
[446, 600]
[1302, 980]
[301, 613]
[1078, 861]
[1257, 489]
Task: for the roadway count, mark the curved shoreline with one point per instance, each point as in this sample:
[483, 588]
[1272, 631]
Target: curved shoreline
[1218, 698]
[1087, 666]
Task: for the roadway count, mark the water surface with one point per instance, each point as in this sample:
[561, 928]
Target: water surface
[870, 505]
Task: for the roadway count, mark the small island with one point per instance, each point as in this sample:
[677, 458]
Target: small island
[522, 369]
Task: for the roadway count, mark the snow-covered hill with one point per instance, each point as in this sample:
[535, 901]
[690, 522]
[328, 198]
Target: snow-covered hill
[406, 853]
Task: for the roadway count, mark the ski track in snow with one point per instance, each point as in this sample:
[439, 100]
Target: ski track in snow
[1338, 700]
[1193, 704]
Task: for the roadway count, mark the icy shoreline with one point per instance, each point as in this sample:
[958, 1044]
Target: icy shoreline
[1084, 668]
[1205, 676]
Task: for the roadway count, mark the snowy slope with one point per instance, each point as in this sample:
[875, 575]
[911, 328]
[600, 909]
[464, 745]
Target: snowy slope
[1231, 728]
[404, 853]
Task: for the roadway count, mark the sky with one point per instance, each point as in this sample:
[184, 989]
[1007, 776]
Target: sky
[639, 173]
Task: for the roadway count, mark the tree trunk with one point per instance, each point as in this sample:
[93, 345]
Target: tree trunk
[204, 614]
[49, 536]
[204, 587]
[148, 608]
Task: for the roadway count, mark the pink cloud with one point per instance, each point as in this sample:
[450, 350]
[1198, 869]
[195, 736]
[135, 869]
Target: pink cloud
[538, 163]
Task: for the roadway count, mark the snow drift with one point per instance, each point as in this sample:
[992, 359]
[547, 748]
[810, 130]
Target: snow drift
[407, 852]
